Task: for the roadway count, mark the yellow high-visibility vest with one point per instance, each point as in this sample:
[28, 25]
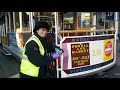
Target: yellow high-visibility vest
[26, 66]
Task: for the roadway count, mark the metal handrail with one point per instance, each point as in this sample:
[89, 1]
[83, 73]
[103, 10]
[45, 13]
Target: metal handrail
[78, 31]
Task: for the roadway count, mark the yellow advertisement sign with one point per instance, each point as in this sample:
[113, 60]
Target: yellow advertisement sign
[4, 40]
[108, 49]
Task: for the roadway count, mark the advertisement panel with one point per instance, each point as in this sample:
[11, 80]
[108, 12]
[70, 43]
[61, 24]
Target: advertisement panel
[0, 40]
[22, 38]
[85, 53]
[4, 40]
[12, 40]
[17, 40]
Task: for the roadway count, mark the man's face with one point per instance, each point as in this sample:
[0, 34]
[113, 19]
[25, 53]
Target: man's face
[42, 32]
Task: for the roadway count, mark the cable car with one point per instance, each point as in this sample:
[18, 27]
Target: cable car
[89, 47]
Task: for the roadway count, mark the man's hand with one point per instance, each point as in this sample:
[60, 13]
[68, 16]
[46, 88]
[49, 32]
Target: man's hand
[59, 51]
[56, 56]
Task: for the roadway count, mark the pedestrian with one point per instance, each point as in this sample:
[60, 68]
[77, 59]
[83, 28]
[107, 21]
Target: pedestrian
[35, 60]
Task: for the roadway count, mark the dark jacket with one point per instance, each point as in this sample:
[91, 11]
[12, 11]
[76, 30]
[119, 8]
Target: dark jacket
[33, 53]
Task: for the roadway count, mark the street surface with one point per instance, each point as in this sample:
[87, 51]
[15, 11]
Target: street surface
[9, 66]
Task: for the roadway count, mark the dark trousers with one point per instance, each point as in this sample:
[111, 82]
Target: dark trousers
[25, 76]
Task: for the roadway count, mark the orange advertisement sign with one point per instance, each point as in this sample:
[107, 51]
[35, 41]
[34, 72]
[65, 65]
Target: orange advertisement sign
[108, 49]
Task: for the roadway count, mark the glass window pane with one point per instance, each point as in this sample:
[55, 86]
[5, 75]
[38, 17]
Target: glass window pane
[68, 20]
[25, 17]
[17, 20]
[12, 24]
[84, 20]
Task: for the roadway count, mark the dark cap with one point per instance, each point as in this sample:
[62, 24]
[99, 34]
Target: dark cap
[41, 24]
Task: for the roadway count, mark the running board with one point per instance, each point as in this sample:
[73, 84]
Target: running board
[5, 51]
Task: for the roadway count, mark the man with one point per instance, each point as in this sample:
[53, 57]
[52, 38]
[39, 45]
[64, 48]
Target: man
[35, 61]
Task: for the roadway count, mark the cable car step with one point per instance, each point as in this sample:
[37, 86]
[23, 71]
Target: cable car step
[5, 51]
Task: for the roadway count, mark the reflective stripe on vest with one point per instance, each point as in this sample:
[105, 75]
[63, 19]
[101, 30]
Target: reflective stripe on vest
[26, 66]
